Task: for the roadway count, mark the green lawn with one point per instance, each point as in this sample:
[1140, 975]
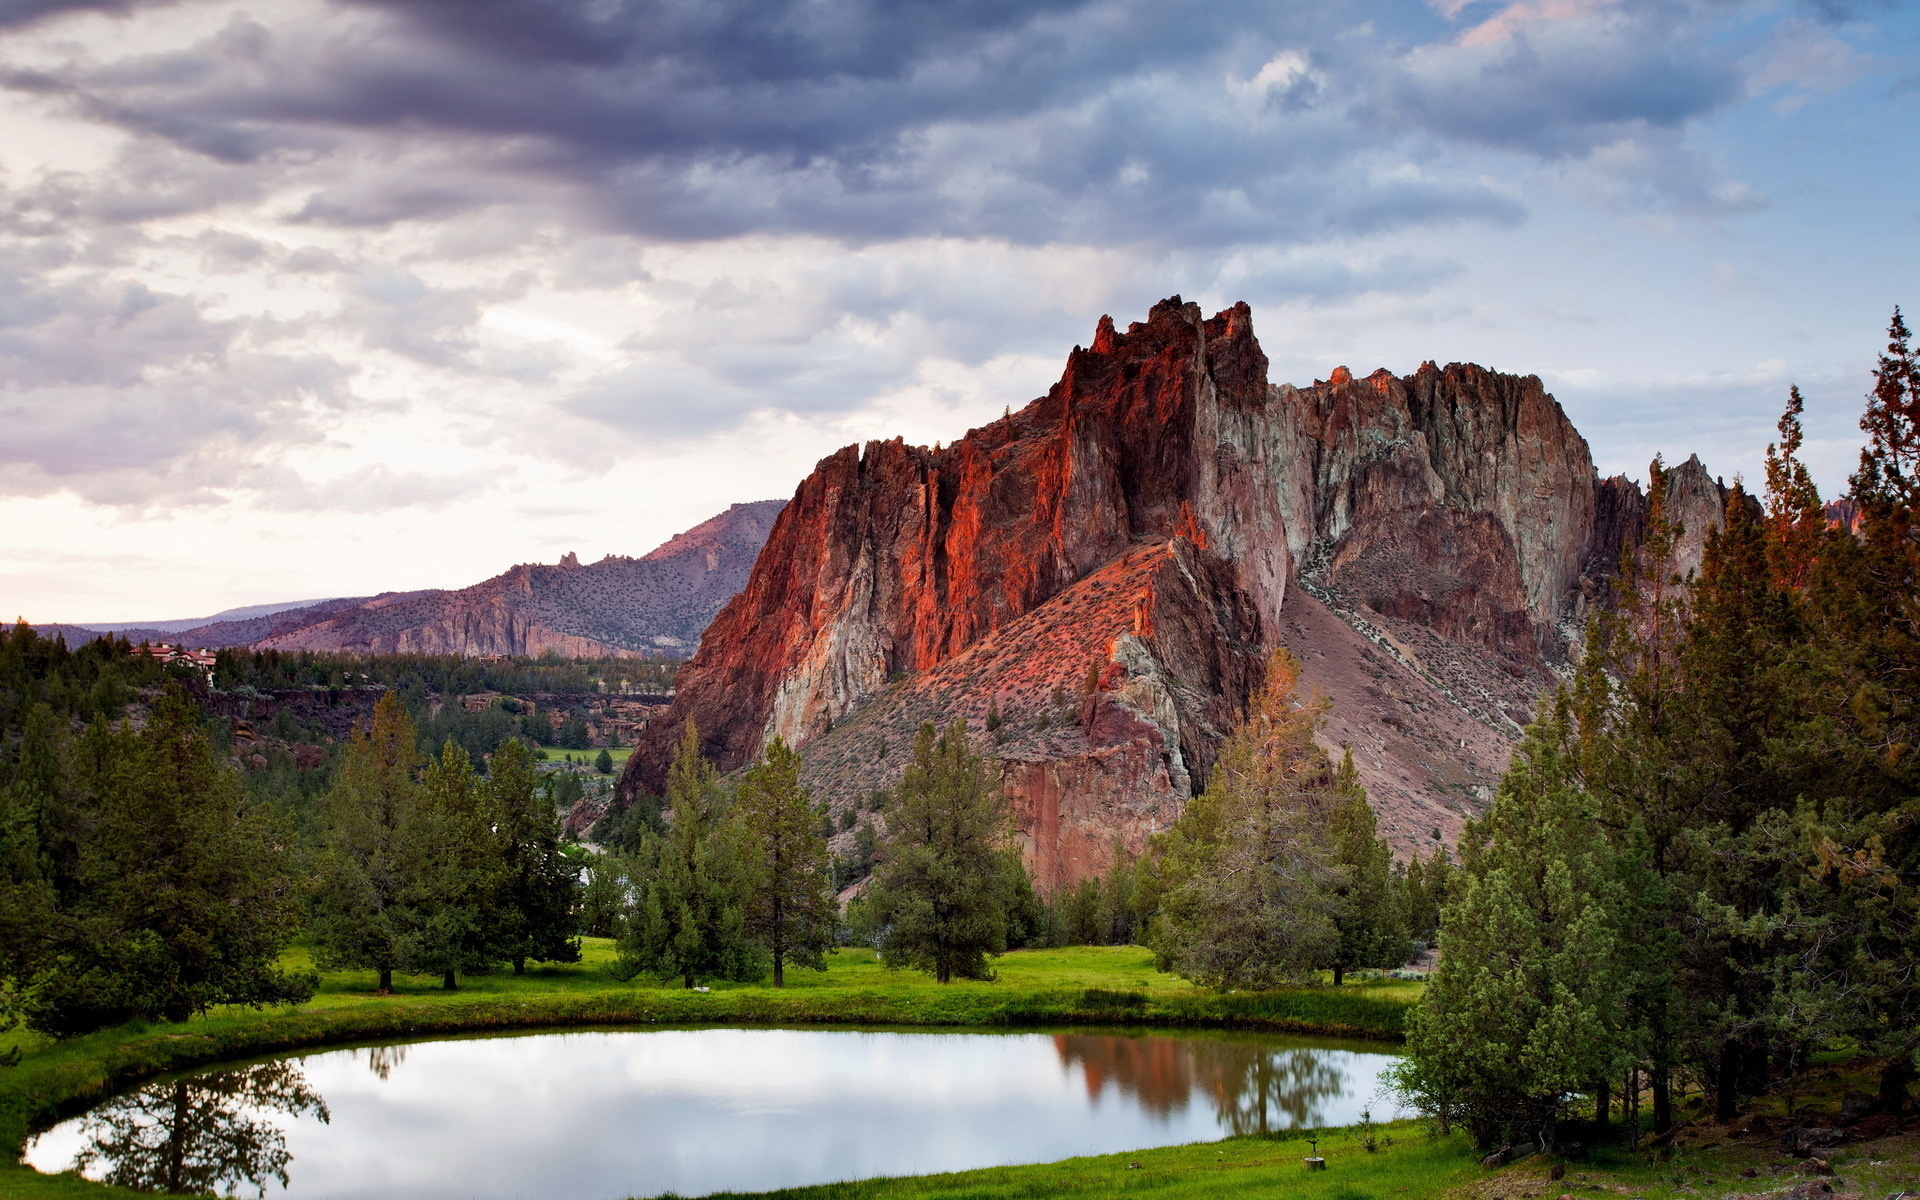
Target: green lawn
[619, 755]
[1407, 1165]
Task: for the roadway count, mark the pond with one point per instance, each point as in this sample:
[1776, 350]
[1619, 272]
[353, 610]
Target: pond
[604, 1114]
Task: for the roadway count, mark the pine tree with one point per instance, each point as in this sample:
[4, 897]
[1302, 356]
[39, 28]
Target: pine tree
[945, 891]
[1523, 1011]
[1246, 874]
[357, 919]
[184, 895]
[790, 902]
[1368, 912]
[454, 876]
[1865, 603]
[690, 922]
[542, 885]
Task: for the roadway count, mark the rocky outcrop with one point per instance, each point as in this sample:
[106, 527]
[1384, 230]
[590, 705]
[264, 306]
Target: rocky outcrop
[619, 606]
[1092, 583]
[893, 558]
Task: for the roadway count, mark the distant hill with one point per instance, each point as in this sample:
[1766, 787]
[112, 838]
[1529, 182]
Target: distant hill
[183, 624]
[657, 604]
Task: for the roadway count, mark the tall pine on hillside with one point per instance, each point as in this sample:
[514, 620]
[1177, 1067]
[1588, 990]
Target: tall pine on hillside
[944, 894]
[789, 900]
[689, 922]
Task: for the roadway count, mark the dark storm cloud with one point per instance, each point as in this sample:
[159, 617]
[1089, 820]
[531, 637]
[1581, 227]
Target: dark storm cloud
[1094, 121]
[25, 12]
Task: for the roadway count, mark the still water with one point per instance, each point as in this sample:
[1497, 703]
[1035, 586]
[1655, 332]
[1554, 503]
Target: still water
[607, 1114]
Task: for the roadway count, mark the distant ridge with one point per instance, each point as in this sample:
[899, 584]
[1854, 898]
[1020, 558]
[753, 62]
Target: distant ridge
[658, 604]
[186, 623]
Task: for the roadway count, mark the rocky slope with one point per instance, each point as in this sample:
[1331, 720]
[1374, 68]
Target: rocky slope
[656, 604]
[1099, 576]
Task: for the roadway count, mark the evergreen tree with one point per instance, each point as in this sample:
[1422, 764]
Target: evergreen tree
[1522, 1012]
[453, 872]
[690, 921]
[357, 917]
[183, 893]
[788, 873]
[605, 899]
[542, 885]
[1864, 598]
[1246, 874]
[603, 762]
[945, 892]
[1368, 911]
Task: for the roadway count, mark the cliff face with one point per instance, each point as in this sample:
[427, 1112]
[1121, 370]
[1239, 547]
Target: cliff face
[1093, 583]
[656, 604]
[894, 558]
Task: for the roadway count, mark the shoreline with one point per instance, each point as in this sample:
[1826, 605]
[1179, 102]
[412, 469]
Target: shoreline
[60, 1080]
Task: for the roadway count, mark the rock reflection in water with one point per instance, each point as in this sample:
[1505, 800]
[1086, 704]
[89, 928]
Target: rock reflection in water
[208, 1135]
[1254, 1088]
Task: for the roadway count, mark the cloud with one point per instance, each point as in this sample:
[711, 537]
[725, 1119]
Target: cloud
[687, 217]
[1076, 120]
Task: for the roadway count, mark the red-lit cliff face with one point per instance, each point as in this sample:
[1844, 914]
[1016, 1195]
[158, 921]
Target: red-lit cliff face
[1142, 523]
[894, 558]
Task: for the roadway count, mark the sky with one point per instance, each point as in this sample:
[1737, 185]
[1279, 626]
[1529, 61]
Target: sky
[310, 298]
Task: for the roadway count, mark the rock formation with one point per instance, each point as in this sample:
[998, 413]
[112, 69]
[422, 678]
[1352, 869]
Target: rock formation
[1092, 584]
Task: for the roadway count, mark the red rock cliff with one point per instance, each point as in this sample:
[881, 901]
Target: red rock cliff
[1144, 520]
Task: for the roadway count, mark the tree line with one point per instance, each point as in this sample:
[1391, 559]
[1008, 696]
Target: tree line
[1701, 868]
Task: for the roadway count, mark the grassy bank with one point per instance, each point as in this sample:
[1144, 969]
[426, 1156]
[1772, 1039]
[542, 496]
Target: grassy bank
[1082, 985]
[1407, 1165]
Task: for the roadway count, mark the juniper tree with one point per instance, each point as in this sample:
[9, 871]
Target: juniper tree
[786, 866]
[945, 892]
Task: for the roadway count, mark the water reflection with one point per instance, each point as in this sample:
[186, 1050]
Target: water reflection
[207, 1135]
[383, 1059]
[593, 1114]
[1255, 1087]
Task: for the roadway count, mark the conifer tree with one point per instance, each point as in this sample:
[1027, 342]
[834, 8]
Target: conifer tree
[1246, 874]
[358, 921]
[1523, 1010]
[1865, 600]
[788, 870]
[944, 894]
[1368, 911]
[454, 876]
[542, 885]
[690, 921]
[184, 895]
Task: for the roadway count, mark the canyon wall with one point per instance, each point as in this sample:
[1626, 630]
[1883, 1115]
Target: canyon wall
[1093, 583]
